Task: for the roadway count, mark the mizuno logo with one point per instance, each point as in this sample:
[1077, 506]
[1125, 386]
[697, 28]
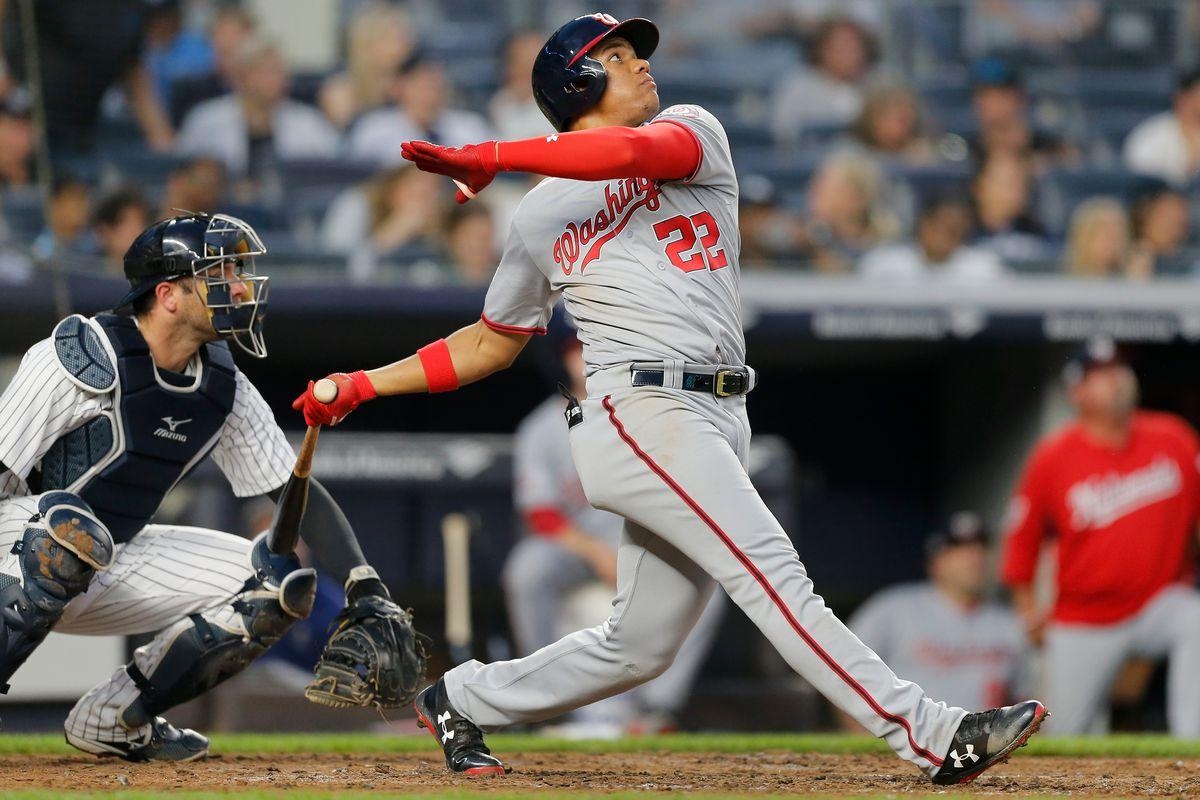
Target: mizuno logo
[172, 434]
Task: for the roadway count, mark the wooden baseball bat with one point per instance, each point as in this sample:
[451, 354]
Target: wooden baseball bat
[289, 511]
[456, 535]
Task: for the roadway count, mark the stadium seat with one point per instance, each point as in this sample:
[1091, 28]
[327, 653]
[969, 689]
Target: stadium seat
[144, 169]
[1062, 190]
[23, 214]
[260, 216]
[338, 173]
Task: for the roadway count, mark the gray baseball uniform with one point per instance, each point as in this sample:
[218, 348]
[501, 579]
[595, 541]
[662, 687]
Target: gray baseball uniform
[649, 272]
[540, 573]
[971, 657]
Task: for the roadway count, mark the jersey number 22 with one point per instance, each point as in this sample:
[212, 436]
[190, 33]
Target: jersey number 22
[700, 226]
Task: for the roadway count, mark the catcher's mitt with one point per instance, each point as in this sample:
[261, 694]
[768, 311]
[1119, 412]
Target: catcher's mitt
[374, 658]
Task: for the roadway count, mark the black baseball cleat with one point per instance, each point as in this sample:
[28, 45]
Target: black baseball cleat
[459, 738]
[164, 742]
[988, 738]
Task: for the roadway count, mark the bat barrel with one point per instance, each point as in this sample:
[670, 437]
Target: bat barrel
[456, 536]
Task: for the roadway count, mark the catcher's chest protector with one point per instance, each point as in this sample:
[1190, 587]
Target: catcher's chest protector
[124, 462]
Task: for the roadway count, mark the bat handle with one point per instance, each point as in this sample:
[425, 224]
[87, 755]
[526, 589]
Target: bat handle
[303, 466]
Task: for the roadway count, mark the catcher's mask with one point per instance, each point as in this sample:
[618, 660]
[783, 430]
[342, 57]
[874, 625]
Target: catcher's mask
[216, 250]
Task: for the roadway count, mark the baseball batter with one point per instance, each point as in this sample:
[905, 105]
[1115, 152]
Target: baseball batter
[636, 228]
[101, 420]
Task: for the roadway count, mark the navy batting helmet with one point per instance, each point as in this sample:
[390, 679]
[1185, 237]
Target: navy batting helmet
[566, 82]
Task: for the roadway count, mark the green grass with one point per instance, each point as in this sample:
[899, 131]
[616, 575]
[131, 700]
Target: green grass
[1129, 746]
[297, 794]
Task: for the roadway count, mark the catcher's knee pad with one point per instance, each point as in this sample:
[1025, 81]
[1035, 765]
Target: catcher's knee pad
[60, 550]
[202, 650]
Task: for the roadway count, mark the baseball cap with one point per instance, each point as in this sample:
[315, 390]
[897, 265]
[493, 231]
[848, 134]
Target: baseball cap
[1099, 351]
[992, 71]
[963, 527]
[16, 104]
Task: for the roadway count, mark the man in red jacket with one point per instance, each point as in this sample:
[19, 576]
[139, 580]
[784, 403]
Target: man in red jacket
[1118, 488]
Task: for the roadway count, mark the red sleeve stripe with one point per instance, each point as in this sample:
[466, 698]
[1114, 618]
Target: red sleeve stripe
[546, 521]
[699, 145]
[502, 328]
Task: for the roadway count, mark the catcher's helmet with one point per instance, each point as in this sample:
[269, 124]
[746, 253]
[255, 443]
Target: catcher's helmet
[566, 81]
[201, 246]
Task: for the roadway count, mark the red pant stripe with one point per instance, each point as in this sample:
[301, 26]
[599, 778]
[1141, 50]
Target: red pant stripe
[812, 643]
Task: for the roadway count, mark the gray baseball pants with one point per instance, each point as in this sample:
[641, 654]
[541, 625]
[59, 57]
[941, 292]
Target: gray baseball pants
[1082, 662]
[673, 463]
[539, 574]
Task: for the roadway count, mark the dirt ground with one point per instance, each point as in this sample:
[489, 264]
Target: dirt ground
[648, 772]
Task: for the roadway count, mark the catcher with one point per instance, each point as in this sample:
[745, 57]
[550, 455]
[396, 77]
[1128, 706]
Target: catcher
[101, 420]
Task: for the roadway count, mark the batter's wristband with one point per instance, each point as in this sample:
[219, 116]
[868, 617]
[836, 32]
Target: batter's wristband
[439, 368]
[366, 389]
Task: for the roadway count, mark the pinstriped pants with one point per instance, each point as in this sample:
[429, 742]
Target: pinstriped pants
[165, 573]
[673, 463]
[154, 582]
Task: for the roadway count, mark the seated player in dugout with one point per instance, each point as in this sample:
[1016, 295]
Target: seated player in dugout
[944, 633]
[100, 421]
[636, 228]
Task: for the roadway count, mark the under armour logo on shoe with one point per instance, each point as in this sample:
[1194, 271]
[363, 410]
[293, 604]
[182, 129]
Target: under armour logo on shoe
[552, 137]
[958, 760]
[442, 719]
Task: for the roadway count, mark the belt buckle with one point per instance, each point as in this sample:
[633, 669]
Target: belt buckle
[729, 382]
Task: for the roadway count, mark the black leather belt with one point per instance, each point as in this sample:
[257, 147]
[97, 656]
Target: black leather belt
[725, 382]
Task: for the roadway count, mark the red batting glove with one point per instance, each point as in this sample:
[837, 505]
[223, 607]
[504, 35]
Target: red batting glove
[472, 167]
[353, 390]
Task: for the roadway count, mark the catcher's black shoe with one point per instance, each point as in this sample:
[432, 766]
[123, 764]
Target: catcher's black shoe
[988, 738]
[164, 742]
[459, 738]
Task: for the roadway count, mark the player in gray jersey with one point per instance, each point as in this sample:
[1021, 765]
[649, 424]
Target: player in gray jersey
[100, 421]
[943, 633]
[570, 545]
[636, 228]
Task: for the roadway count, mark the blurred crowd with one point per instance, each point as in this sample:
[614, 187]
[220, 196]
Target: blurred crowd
[903, 141]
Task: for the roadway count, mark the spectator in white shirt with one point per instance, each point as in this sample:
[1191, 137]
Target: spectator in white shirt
[419, 111]
[1167, 145]
[513, 111]
[829, 90]
[377, 42]
[257, 124]
[939, 252]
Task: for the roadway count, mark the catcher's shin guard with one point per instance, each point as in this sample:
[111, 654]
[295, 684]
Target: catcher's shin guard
[62, 547]
[193, 655]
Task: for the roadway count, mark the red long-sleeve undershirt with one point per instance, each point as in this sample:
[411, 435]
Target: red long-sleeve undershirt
[664, 150]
